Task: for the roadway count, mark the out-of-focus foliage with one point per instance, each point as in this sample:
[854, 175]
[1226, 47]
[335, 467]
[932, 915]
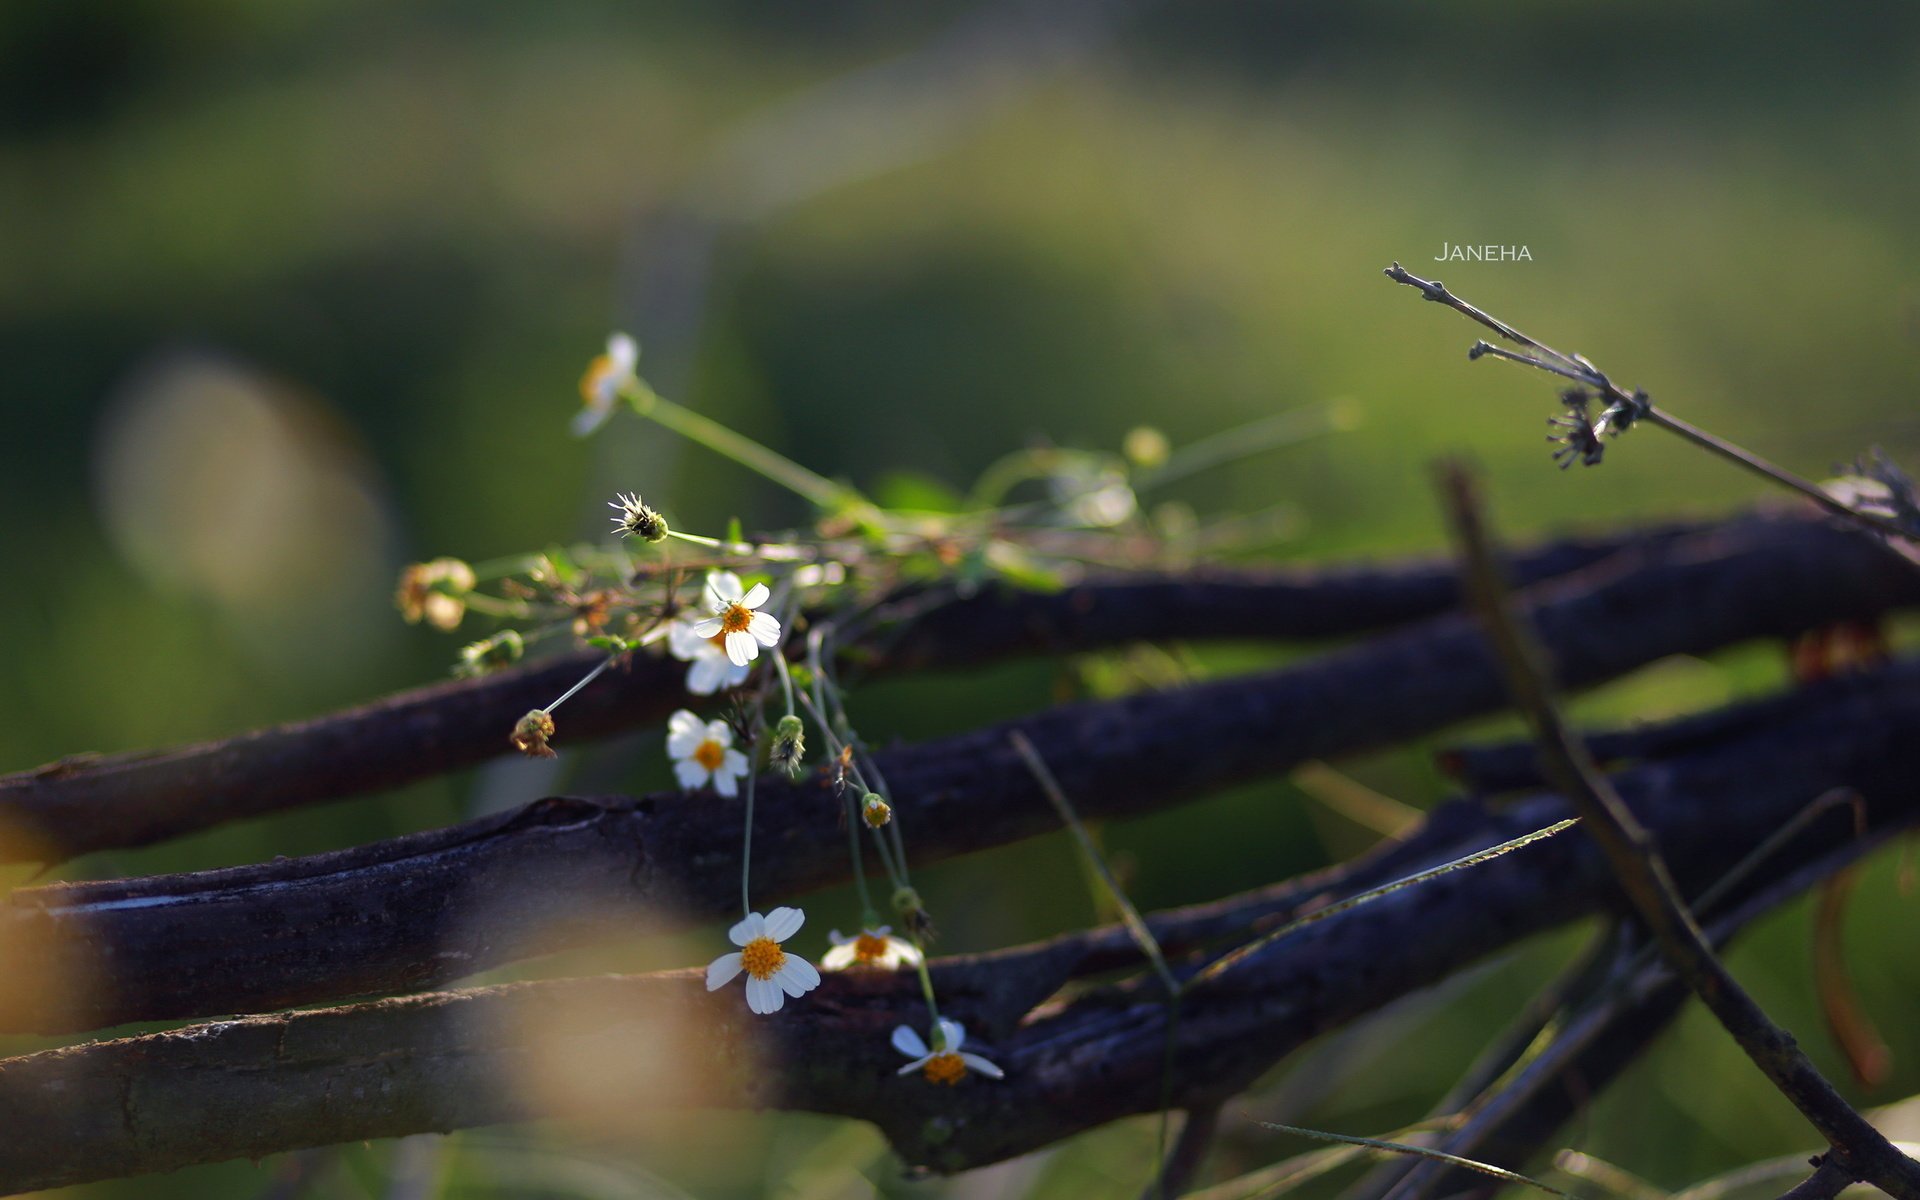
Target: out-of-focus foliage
[293, 293]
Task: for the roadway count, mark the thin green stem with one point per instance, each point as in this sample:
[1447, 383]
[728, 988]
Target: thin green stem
[586, 679]
[817, 489]
[746, 848]
[1255, 437]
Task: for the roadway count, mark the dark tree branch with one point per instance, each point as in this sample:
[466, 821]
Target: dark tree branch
[1637, 862]
[257, 1085]
[88, 803]
[427, 909]
[1602, 1033]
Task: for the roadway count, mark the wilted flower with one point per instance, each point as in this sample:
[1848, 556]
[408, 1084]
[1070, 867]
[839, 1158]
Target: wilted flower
[490, 654]
[712, 670]
[1580, 442]
[531, 734]
[435, 591]
[702, 752]
[636, 519]
[607, 375]
[789, 750]
[872, 948]
[772, 973]
[737, 619]
[945, 1062]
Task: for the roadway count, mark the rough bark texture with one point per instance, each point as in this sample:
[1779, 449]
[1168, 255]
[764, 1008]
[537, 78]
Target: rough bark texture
[435, 1062]
[92, 802]
[427, 909]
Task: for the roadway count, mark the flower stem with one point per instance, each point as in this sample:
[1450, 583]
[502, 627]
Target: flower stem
[817, 489]
[586, 679]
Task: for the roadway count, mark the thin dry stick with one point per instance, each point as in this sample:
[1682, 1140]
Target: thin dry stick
[1488, 1169]
[1163, 1168]
[1642, 873]
[1636, 404]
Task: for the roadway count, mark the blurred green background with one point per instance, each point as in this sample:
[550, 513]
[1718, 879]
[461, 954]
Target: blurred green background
[294, 293]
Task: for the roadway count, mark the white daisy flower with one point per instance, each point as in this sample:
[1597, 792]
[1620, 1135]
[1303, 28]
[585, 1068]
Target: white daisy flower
[874, 948]
[944, 1064]
[772, 973]
[737, 621]
[712, 670]
[702, 752]
[606, 376]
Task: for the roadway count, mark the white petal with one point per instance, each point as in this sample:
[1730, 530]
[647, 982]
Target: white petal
[796, 976]
[734, 763]
[764, 995]
[707, 628]
[951, 1035]
[683, 643]
[692, 775]
[901, 951]
[623, 352]
[735, 675]
[765, 628]
[741, 647]
[839, 958]
[747, 928]
[721, 971]
[591, 417]
[726, 784]
[723, 588]
[719, 731]
[913, 1066]
[783, 923]
[756, 596]
[881, 930]
[707, 674]
[835, 937]
[983, 1066]
[908, 1042]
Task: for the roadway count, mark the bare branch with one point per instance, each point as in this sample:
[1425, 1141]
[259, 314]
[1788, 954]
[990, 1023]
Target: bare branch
[96, 802]
[1636, 861]
[431, 908]
[256, 1085]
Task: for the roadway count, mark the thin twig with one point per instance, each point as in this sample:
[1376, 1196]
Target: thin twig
[1643, 875]
[1640, 408]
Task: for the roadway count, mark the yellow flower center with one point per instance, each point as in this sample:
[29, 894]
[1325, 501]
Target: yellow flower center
[710, 754]
[735, 619]
[761, 957]
[868, 948]
[945, 1067]
[597, 371]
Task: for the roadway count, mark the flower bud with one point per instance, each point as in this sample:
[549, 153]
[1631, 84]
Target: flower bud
[875, 811]
[490, 654]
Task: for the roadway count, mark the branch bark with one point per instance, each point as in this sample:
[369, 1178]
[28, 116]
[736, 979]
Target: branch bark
[96, 802]
[434, 907]
[1634, 854]
[424, 910]
[258, 1085]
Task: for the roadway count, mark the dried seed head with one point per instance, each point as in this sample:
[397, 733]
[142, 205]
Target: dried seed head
[919, 923]
[531, 734]
[636, 519]
[789, 750]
